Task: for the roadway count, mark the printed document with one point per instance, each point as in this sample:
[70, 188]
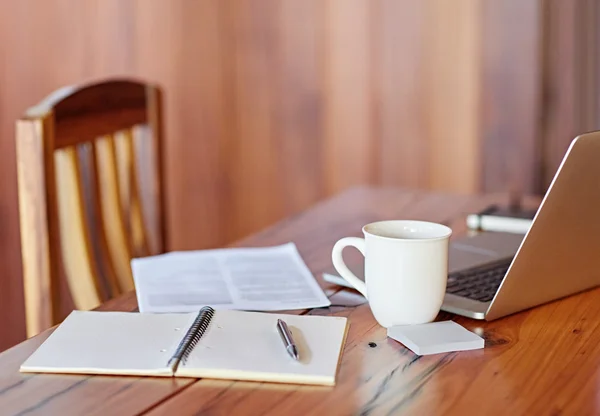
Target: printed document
[256, 279]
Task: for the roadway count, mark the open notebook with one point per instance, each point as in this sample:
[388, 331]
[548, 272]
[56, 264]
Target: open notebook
[225, 344]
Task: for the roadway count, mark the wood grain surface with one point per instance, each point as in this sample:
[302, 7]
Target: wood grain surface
[541, 361]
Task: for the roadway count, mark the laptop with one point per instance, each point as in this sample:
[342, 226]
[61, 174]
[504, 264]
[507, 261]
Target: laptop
[493, 274]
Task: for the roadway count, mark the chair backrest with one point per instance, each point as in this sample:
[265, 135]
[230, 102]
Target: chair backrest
[90, 194]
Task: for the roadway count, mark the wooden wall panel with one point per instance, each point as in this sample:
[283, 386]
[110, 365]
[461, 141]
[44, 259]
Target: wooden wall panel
[400, 113]
[452, 93]
[349, 157]
[11, 285]
[570, 62]
[300, 109]
[511, 94]
[199, 117]
[273, 105]
[427, 93]
[254, 156]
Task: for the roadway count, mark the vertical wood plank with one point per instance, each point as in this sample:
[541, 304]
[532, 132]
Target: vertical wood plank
[560, 85]
[75, 244]
[589, 84]
[111, 211]
[95, 225]
[12, 306]
[511, 95]
[130, 188]
[398, 49]
[199, 118]
[151, 150]
[348, 94]
[139, 239]
[427, 75]
[254, 157]
[35, 241]
[570, 83]
[452, 87]
[124, 162]
[299, 108]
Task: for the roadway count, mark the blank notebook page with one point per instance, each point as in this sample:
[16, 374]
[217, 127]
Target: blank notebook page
[246, 346]
[111, 343]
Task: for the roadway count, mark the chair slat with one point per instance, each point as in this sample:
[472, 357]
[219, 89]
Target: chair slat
[138, 224]
[112, 214]
[155, 127]
[77, 259]
[123, 161]
[97, 224]
[146, 168]
[39, 287]
[130, 193]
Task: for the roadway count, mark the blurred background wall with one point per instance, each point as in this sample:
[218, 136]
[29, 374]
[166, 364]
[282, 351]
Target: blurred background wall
[272, 105]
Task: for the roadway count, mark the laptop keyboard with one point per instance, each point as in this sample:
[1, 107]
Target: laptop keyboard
[479, 283]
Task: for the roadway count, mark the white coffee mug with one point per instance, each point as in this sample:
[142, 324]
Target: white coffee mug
[406, 269]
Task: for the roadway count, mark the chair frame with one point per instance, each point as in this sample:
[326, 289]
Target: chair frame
[66, 118]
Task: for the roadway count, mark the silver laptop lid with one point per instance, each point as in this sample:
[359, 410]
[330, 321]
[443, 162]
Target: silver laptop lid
[560, 254]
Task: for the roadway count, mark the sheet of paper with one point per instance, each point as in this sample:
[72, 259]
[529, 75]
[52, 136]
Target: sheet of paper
[89, 342]
[267, 279]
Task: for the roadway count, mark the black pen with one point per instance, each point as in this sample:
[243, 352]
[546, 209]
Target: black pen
[488, 210]
[288, 341]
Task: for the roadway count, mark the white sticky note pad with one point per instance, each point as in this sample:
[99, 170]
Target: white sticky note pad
[435, 337]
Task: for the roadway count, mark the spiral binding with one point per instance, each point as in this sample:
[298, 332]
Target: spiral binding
[192, 337]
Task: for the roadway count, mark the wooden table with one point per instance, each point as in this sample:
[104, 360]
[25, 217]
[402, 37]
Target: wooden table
[542, 361]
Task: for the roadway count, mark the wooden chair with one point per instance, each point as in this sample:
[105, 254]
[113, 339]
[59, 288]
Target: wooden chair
[90, 195]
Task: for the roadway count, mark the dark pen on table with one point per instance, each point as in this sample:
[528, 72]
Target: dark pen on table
[288, 341]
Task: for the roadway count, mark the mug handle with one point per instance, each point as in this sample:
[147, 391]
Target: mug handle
[340, 266]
